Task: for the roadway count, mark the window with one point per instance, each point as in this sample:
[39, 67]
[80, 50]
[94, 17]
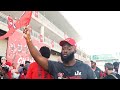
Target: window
[34, 34]
[3, 19]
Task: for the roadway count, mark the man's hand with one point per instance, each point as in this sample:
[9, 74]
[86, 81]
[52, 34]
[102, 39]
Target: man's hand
[42, 61]
[26, 33]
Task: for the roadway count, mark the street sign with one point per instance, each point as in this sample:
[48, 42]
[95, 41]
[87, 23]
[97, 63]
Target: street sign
[102, 57]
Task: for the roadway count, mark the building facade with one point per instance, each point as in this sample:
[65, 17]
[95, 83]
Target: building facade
[49, 26]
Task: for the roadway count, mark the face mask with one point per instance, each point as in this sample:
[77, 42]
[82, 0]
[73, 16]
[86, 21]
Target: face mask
[67, 58]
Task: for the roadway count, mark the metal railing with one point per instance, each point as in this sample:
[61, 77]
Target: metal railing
[43, 20]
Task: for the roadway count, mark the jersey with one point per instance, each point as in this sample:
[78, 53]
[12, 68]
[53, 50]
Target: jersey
[79, 70]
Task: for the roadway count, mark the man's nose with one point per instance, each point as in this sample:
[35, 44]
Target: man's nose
[65, 51]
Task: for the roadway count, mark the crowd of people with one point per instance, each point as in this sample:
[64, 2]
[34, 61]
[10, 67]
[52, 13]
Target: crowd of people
[111, 70]
[9, 71]
[35, 71]
[25, 71]
[67, 68]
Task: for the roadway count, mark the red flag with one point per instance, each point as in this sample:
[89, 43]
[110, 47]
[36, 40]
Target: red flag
[17, 24]
[25, 18]
[36, 14]
[23, 21]
[11, 28]
[9, 33]
[10, 22]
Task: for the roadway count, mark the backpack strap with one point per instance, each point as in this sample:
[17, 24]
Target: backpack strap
[114, 76]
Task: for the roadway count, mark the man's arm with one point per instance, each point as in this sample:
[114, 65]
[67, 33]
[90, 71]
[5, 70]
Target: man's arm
[34, 52]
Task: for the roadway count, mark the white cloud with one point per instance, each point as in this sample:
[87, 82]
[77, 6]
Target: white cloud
[99, 30]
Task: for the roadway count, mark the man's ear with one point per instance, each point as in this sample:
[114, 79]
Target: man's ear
[75, 50]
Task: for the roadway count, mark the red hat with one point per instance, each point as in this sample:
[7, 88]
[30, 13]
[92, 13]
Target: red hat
[8, 63]
[68, 40]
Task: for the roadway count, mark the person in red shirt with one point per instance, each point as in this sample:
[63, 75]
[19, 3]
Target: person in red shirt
[35, 71]
[9, 71]
[5, 63]
[23, 74]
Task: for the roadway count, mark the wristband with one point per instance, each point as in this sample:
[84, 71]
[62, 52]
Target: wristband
[29, 40]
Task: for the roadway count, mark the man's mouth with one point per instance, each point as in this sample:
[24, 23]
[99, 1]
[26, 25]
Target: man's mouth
[64, 55]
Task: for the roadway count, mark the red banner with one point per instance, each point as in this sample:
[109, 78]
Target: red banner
[65, 35]
[17, 51]
[10, 22]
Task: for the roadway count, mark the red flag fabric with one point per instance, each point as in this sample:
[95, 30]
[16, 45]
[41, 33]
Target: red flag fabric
[23, 21]
[9, 33]
[25, 18]
[11, 28]
[10, 22]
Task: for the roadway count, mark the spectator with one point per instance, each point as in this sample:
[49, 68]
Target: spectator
[116, 66]
[119, 69]
[3, 61]
[110, 74]
[20, 68]
[23, 74]
[97, 70]
[35, 71]
[7, 64]
[4, 73]
[27, 63]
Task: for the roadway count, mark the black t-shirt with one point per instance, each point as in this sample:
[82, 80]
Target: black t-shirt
[97, 72]
[112, 77]
[78, 71]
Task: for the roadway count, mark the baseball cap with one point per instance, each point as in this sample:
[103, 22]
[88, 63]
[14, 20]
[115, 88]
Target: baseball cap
[8, 63]
[68, 40]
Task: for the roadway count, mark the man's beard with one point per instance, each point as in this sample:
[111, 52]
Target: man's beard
[67, 58]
